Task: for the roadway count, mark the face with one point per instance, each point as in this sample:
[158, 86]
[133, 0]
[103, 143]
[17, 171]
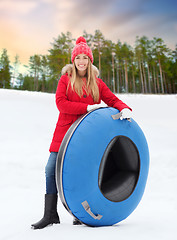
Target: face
[81, 62]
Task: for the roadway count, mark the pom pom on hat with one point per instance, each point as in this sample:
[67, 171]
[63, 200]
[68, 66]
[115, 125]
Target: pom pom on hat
[81, 39]
[81, 47]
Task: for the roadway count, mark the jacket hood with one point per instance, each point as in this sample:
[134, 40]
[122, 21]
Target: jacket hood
[68, 69]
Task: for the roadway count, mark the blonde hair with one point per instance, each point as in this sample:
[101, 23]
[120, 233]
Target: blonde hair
[91, 86]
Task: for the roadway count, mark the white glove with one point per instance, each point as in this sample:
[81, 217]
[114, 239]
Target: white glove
[94, 106]
[126, 113]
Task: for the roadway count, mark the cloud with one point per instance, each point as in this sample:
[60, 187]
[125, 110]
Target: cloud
[75, 16]
[17, 7]
[106, 15]
[25, 34]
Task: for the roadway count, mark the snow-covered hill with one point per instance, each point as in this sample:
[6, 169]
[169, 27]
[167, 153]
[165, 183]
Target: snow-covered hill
[27, 122]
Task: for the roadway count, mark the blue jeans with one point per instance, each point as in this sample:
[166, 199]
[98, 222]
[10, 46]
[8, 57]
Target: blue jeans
[51, 187]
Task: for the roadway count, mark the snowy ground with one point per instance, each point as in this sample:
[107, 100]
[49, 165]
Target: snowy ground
[27, 122]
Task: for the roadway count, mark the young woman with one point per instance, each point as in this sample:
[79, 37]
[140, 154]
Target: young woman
[79, 91]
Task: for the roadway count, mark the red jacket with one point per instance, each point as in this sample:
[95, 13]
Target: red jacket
[71, 107]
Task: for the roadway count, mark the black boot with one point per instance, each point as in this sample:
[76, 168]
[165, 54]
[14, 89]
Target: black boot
[50, 212]
[76, 222]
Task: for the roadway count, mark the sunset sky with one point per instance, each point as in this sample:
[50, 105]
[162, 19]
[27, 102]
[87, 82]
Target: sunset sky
[27, 27]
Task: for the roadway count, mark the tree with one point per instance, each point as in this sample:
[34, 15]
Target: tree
[5, 75]
[145, 51]
[138, 55]
[44, 71]
[16, 64]
[118, 57]
[59, 56]
[89, 38]
[107, 64]
[133, 70]
[172, 82]
[143, 56]
[35, 67]
[161, 52]
[98, 40]
[26, 82]
[125, 52]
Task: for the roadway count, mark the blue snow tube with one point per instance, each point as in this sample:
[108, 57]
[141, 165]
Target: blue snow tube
[102, 168]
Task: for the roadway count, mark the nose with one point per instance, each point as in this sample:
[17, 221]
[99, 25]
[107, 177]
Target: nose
[81, 60]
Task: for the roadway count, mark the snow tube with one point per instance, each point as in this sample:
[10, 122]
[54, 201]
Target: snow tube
[102, 168]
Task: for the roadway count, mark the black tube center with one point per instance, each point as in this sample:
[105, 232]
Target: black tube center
[119, 169]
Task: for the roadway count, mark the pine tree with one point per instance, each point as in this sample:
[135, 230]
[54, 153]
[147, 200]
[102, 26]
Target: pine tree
[16, 64]
[59, 56]
[161, 52]
[35, 67]
[5, 75]
[98, 40]
[44, 71]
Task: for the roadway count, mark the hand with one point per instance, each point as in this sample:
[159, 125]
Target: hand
[126, 114]
[94, 106]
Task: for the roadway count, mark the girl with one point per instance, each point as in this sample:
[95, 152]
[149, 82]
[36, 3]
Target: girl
[79, 90]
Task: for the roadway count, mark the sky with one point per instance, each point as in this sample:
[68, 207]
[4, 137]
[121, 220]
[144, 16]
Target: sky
[28, 27]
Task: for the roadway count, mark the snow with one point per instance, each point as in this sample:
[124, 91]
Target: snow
[27, 122]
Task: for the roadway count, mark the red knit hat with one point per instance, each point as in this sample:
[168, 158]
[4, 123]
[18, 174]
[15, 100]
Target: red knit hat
[81, 47]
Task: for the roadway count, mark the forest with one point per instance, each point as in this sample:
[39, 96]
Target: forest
[147, 67]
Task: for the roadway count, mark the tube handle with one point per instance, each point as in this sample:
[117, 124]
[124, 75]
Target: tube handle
[118, 115]
[88, 210]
